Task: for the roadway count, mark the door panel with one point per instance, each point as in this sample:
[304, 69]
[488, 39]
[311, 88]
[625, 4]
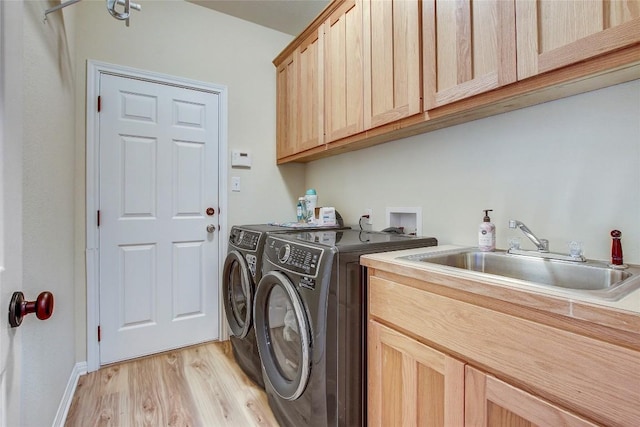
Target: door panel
[310, 96]
[392, 86]
[188, 264]
[554, 34]
[343, 51]
[287, 108]
[158, 174]
[469, 48]
[139, 197]
[189, 166]
[491, 402]
[138, 265]
[410, 383]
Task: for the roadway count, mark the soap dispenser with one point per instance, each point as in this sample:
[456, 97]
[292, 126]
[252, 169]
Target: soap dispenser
[487, 233]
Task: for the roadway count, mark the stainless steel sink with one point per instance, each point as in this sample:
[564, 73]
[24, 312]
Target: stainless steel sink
[588, 278]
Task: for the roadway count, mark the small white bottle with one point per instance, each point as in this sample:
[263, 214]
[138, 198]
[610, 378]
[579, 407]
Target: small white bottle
[487, 233]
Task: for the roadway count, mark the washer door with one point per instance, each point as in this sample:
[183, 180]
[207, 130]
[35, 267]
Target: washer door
[282, 333]
[237, 289]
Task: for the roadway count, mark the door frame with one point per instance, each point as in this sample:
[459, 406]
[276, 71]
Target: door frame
[92, 255]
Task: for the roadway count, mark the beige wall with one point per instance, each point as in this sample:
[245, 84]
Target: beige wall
[186, 40]
[48, 217]
[569, 169]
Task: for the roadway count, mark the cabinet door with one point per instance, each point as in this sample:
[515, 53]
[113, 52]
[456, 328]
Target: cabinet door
[493, 403]
[469, 48]
[310, 96]
[411, 384]
[392, 84]
[552, 34]
[286, 124]
[343, 71]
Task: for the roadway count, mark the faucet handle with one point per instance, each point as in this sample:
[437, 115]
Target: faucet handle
[514, 243]
[575, 249]
[545, 245]
[512, 223]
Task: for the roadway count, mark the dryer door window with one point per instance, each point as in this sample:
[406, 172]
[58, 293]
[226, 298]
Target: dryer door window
[237, 289]
[282, 333]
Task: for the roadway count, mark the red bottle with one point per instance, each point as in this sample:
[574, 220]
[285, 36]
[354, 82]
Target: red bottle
[616, 248]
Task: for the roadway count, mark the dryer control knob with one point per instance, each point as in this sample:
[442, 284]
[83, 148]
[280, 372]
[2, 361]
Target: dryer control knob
[284, 253]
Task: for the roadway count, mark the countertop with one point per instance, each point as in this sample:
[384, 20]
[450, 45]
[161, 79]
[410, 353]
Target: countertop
[623, 314]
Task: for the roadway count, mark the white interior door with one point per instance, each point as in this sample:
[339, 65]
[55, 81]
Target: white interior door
[158, 176]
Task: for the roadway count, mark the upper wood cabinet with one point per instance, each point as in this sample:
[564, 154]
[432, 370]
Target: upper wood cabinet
[310, 110]
[286, 106]
[392, 86]
[299, 105]
[553, 34]
[469, 48]
[343, 71]
[370, 71]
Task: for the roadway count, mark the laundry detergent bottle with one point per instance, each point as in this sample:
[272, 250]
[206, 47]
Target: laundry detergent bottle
[311, 199]
[487, 233]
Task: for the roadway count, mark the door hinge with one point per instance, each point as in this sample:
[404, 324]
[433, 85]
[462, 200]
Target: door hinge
[98, 218]
[99, 337]
[99, 103]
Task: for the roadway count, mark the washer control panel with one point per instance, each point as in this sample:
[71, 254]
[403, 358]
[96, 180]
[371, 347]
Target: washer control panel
[244, 239]
[300, 259]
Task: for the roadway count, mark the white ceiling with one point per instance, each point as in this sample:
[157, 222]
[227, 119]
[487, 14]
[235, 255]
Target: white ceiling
[287, 16]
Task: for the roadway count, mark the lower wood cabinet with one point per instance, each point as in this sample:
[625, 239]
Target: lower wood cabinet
[491, 402]
[436, 360]
[411, 383]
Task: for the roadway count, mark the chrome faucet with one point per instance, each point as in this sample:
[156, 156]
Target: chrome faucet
[541, 244]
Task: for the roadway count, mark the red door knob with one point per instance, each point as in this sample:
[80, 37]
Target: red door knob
[18, 307]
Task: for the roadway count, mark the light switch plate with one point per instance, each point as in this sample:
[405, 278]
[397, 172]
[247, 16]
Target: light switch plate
[235, 183]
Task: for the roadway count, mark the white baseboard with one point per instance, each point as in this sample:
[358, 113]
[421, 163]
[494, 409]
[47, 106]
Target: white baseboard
[65, 403]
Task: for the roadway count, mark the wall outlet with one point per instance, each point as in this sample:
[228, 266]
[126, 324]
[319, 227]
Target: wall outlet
[368, 221]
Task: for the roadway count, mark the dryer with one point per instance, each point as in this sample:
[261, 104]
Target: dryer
[242, 271]
[310, 323]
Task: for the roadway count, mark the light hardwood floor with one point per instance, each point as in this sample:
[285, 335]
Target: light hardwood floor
[196, 386]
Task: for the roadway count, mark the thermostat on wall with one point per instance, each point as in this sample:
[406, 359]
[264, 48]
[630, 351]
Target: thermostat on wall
[240, 159]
